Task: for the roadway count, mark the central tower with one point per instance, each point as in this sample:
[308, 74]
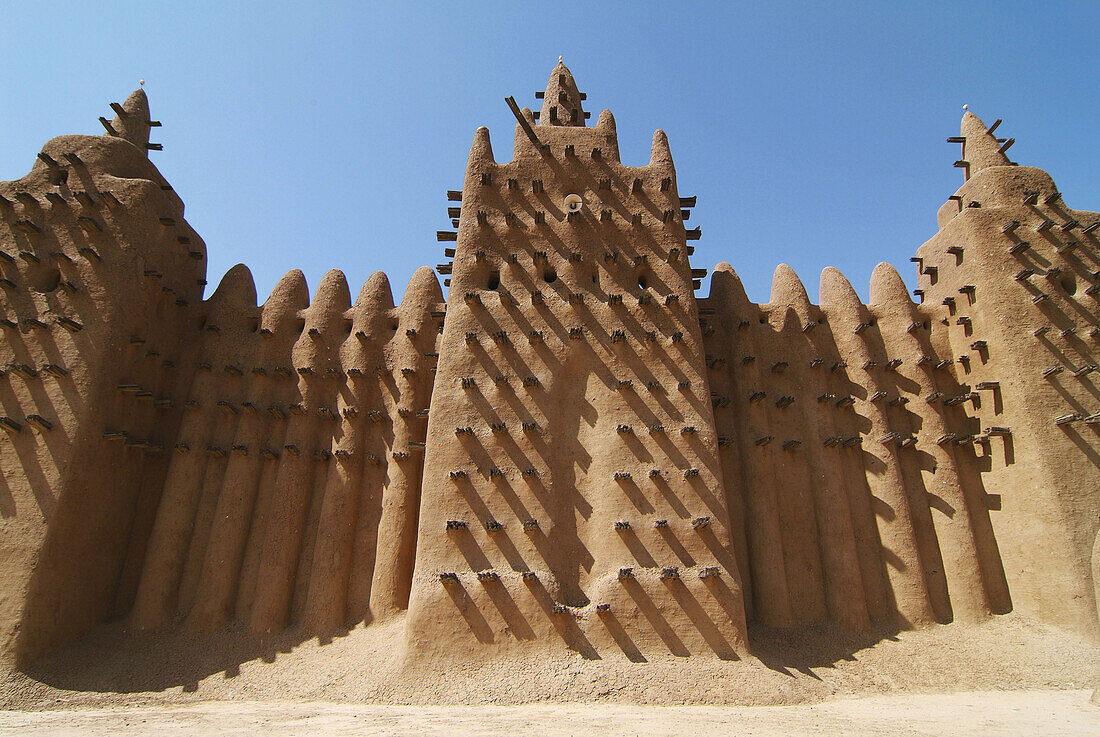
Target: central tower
[572, 493]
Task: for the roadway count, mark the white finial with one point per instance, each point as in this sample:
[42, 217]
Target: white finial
[141, 82]
[966, 107]
[560, 60]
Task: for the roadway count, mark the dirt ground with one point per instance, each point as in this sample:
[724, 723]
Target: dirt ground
[368, 666]
[989, 714]
[1006, 676]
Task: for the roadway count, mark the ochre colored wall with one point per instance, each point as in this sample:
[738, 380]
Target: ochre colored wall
[575, 454]
[574, 402]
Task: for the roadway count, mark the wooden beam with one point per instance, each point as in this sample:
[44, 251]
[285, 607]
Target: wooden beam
[523, 121]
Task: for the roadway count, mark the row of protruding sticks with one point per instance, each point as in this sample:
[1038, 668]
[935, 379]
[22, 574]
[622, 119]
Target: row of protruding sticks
[320, 454]
[89, 224]
[624, 385]
[498, 472]
[894, 438]
[13, 426]
[501, 337]
[532, 525]
[491, 577]
[66, 285]
[1052, 273]
[637, 185]
[847, 401]
[892, 365]
[575, 298]
[606, 215]
[667, 573]
[541, 259]
[1080, 372]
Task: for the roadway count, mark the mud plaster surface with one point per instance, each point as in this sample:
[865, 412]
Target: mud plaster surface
[987, 713]
[806, 666]
[241, 481]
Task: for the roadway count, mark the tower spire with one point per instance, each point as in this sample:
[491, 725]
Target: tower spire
[981, 149]
[561, 104]
[132, 121]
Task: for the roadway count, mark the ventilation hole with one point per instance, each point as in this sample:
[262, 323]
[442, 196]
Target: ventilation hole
[550, 276]
[59, 176]
[393, 325]
[1069, 283]
[254, 324]
[596, 279]
[494, 280]
[46, 280]
[763, 319]
[642, 281]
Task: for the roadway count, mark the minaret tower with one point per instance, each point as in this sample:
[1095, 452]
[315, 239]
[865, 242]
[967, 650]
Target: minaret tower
[1012, 275]
[572, 493]
[102, 276]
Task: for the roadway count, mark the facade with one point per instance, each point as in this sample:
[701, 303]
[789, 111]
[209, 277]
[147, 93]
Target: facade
[575, 453]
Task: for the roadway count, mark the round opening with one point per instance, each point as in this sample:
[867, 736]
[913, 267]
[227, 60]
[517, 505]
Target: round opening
[494, 281]
[573, 203]
[642, 281]
[1069, 284]
[46, 280]
[550, 276]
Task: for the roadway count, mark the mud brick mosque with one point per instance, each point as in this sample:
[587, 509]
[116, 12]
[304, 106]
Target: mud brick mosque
[575, 453]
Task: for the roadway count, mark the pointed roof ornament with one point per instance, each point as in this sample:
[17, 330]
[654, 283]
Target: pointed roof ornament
[726, 286]
[660, 153]
[482, 147]
[561, 104]
[889, 290]
[423, 290]
[981, 148]
[375, 297]
[132, 121]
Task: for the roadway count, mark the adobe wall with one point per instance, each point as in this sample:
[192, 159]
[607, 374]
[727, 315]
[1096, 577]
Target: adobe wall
[851, 454]
[900, 462]
[576, 454]
[1014, 272]
[572, 487]
[100, 273]
[293, 487]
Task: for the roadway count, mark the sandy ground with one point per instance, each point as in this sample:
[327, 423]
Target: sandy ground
[988, 714]
[1006, 676]
[368, 666]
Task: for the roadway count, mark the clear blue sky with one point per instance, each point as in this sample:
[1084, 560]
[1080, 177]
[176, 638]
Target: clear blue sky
[320, 135]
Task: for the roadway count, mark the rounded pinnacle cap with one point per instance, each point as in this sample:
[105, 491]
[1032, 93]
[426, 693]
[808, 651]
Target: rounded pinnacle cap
[132, 122]
[561, 104]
